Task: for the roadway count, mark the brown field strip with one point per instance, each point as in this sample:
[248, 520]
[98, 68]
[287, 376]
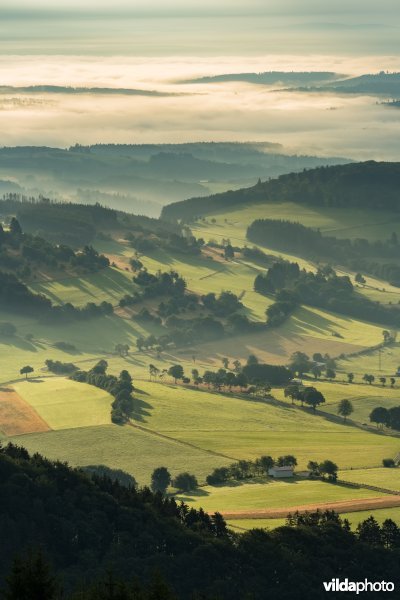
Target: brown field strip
[17, 416]
[343, 506]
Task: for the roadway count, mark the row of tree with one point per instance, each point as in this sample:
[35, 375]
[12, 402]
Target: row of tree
[247, 469]
[120, 387]
[161, 479]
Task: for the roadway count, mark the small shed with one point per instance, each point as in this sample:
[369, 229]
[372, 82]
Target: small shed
[281, 472]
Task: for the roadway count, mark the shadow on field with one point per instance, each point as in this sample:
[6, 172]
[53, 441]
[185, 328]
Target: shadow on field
[316, 323]
[191, 496]
[18, 342]
[34, 380]
[141, 409]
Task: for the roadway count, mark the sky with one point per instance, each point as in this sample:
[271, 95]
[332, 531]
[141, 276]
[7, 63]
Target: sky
[154, 44]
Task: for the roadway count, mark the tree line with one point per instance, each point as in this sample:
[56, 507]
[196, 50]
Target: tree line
[120, 387]
[248, 469]
[368, 185]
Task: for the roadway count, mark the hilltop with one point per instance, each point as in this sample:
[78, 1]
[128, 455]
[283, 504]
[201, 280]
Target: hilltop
[370, 184]
[141, 178]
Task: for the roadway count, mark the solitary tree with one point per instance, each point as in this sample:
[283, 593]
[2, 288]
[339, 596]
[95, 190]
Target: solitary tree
[160, 480]
[176, 371]
[329, 468]
[26, 370]
[225, 362]
[383, 381]
[368, 378]
[392, 381]
[380, 416]
[350, 377]
[313, 397]
[185, 482]
[345, 408]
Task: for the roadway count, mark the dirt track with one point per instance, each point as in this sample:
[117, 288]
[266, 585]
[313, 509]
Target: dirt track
[340, 507]
[17, 416]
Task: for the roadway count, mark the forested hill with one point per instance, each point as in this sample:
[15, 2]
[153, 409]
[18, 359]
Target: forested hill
[102, 527]
[373, 185]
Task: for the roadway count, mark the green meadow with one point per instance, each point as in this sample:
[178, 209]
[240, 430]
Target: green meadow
[196, 428]
[66, 404]
[274, 494]
[132, 450]
[380, 477]
[364, 397]
[337, 222]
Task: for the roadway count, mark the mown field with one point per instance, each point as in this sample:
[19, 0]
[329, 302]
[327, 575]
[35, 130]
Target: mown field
[65, 404]
[197, 429]
[364, 397]
[274, 494]
[338, 222]
[127, 448]
[380, 477]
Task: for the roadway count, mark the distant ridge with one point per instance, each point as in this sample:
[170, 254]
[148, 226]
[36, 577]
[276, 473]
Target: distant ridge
[373, 185]
[378, 83]
[60, 89]
[273, 77]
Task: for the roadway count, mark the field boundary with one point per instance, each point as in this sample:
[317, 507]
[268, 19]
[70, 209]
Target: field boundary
[172, 439]
[344, 506]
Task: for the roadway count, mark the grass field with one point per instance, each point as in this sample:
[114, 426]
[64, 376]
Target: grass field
[108, 284]
[380, 477]
[337, 222]
[363, 397]
[275, 494]
[380, 363]
[64, 404]
[354, 518]
[341, 223]
[199, 428]
[127, 448]
[248, 428]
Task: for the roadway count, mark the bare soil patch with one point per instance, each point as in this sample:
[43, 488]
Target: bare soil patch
[17, 416]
